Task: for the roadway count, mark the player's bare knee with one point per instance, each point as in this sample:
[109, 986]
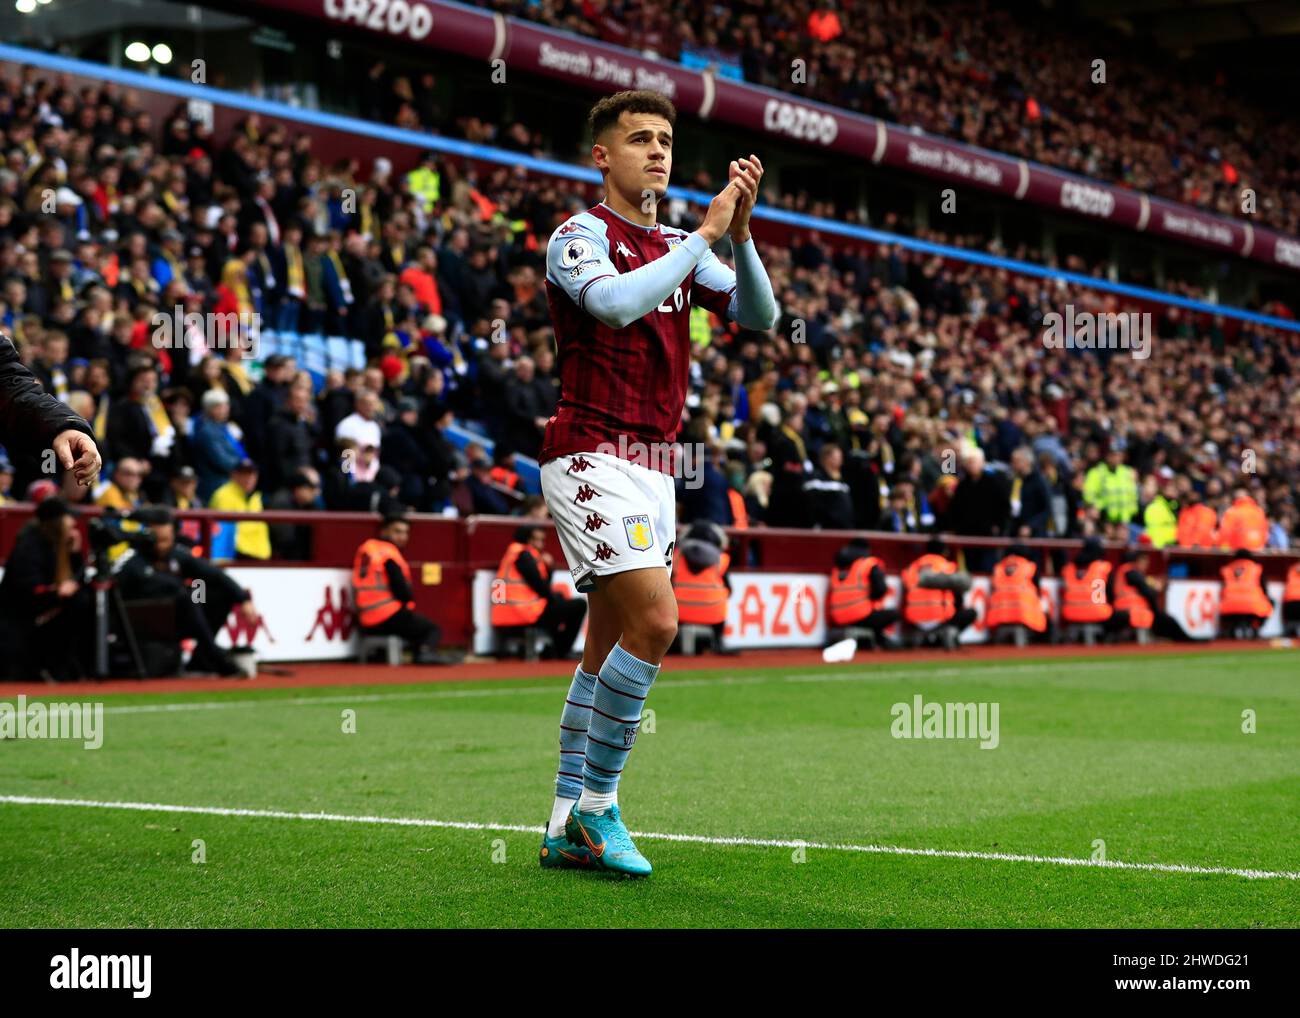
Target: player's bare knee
[655, 627]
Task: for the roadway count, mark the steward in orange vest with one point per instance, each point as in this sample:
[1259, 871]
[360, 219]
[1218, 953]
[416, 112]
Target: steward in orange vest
[739, 514]
[1243, 604]
[385, 599]
[522, 594]
[700, 580]
[1084, 587]
[858, 592]
[929, 601]
[1244, 524]
[1127, 593]
[1014, 598]
[1291, 600]
[1196, 524]
[1137, 600]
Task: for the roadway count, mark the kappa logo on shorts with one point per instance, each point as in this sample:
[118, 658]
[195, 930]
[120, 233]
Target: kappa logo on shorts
[579, 463]
[639, 534]
[604, 552]
[594, 522]
[585, 494]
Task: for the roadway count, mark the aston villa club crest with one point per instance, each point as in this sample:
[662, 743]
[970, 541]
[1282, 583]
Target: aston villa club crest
[639, 535]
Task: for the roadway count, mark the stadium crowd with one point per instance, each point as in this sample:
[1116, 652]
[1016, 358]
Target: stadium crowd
[898, 392]
[1015, 81]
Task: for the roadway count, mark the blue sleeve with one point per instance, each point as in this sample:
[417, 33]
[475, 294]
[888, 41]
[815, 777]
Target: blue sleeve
[745, 295]
[577, 261]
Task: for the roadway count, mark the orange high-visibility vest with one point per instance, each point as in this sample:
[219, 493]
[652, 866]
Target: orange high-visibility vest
[1013, 598]
[1077, 604]
[1196, 526]
[923, 604]
[739, 514]
[1127, 598]
[1243, 594]
[702, 596]
[849, 599]
[375, 602]
[1244, 526]
[1292, 591]
[505, 478]
[514, 602]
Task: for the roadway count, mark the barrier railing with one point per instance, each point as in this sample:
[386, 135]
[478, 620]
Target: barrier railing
[456, 548]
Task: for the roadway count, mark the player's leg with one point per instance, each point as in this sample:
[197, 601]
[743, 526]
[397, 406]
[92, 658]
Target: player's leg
[648, 610]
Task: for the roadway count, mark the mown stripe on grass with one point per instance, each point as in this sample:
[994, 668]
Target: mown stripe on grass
[549, 689]
[697, 839]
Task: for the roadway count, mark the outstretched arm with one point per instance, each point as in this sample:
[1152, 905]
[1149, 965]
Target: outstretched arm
[31, 419]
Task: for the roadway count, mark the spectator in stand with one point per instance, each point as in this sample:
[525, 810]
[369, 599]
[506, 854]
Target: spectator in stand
[826, 495]
[528, 406]
[980, 507]
[123, 492]
[1031, 501]
[406, 449]
[487, 497]
[266, 400]
[293, 541]
[292, 438]
[218, 443]
[363, 426]
[790, 469]
[138, 426]
[240, 494]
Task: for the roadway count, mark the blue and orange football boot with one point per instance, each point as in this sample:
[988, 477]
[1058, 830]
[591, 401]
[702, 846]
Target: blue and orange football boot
[605, 837]
[557, 853]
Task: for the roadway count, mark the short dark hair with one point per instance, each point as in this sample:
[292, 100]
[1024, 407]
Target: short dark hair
[606, 112]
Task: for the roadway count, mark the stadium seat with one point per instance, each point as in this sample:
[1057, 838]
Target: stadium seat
[521, 642]
[1088, 634]
[944, 636]
[1017, 634]
[690, 636]
[866, 637]
[390, 645]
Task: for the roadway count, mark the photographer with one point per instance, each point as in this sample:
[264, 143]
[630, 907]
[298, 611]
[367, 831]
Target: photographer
[203, 594]
[45, 607]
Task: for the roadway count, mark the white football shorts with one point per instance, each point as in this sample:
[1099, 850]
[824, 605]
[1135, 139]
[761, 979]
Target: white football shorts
[612, 515]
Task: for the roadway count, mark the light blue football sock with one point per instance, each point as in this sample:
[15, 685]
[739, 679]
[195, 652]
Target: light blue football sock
[573, 734]
[621, 690]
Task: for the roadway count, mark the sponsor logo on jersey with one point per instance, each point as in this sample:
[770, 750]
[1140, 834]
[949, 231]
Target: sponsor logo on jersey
[625, 251]
[639, 535]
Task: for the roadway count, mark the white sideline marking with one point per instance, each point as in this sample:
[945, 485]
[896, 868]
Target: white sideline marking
[697, 839]
[726, 680]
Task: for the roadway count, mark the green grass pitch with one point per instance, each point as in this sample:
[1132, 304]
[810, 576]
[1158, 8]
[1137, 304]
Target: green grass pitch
[1146, 754]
